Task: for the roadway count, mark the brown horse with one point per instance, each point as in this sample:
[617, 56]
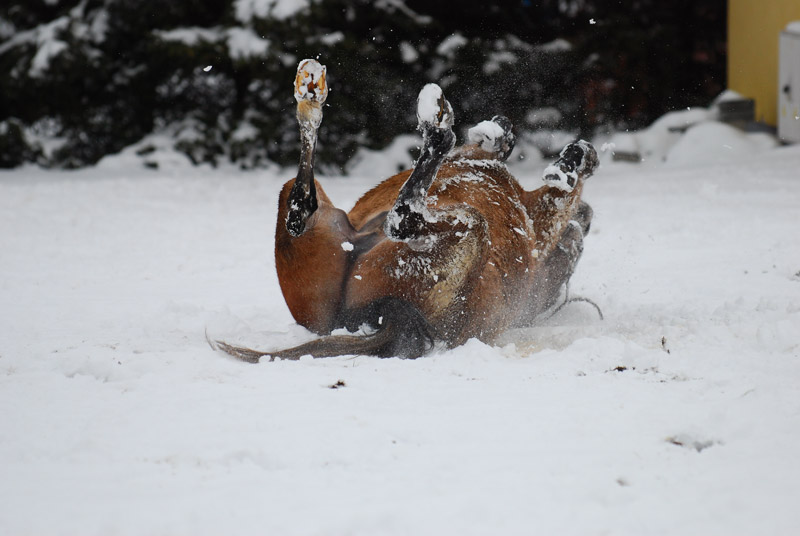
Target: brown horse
[449, 250]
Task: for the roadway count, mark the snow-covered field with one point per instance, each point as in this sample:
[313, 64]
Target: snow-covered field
[677, 414]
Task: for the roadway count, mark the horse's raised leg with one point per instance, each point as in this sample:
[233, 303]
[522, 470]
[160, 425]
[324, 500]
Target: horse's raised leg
[433, 252]
[561, 220]
[556, 203]
[310, 91]
[408, 217]
[488, 140]
[313, 239]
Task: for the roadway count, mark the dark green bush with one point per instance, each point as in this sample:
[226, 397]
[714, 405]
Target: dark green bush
[83, 79]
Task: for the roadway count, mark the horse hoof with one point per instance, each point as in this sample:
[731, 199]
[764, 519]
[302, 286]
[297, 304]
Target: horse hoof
[433, 110]
[310, 83]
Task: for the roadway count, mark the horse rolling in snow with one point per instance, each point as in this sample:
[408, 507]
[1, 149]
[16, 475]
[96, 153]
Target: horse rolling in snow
[449, 250]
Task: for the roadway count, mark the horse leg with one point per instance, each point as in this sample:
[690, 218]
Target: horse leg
[556, 203]
[556, 269]
[488, 140]
[433, 253]
[311, 90]
[561, 220]
[409, 214]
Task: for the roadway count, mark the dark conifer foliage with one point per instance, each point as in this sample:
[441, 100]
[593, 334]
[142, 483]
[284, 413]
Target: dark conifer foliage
[80, 79]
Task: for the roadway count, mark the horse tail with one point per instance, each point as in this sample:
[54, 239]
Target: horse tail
[400, 330]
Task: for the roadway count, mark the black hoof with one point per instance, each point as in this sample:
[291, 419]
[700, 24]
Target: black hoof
[508, 140]
[579, 157]
[577, 160]
[499, 141]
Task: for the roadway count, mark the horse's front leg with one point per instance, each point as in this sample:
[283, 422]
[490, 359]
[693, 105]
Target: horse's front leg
[314, 241]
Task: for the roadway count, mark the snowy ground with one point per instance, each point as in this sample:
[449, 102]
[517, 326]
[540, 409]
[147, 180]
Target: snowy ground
[677, 414]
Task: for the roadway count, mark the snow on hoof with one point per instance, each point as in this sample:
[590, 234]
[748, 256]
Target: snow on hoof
[310, 83]
[494, 136]
[433, 110]
[577, 160]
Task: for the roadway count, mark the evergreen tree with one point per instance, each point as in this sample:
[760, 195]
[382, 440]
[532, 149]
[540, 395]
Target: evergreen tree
[80, 79]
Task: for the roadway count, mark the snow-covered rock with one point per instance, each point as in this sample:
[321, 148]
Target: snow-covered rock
[691, 136]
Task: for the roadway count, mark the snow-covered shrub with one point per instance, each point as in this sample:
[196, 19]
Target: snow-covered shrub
[103, 75]
[15, 147]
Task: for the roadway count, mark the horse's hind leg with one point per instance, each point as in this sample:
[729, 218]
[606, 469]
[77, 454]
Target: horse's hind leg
[557, 202]
[433, 254]
[488, 140]
[557, 269]
[561, 220]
